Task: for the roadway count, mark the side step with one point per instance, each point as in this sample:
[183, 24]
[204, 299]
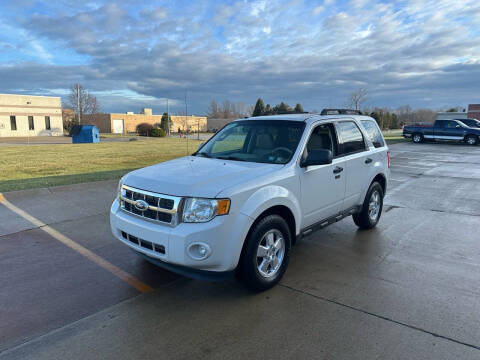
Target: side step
[321, 224]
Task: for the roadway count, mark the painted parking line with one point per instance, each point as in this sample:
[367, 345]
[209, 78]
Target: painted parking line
[116, 271]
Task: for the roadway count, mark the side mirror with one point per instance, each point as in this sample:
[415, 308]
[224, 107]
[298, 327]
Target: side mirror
[457, 126]
[317, 157]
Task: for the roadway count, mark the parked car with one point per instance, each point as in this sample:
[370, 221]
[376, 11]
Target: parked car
[470, 122]
[238, 204]
[443, 130]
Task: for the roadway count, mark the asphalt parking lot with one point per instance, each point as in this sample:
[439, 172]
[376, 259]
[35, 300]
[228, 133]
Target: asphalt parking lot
[409, 289]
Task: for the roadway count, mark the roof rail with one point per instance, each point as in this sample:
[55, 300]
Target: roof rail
[340, 112]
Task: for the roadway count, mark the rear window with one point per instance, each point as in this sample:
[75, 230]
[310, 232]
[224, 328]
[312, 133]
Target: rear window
[373, 133]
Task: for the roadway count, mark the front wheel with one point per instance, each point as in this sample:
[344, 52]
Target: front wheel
[266, 253]
[471, 140]
[372, 207]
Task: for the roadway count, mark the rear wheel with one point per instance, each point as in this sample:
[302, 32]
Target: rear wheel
[417, 138]
[266, 253]
[471, 140]
[372, 207]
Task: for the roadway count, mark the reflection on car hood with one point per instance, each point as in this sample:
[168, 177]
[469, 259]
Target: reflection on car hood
[196, 176]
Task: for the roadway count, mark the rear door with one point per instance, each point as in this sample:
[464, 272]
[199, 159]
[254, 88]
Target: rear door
[353, 146]
[322, 186]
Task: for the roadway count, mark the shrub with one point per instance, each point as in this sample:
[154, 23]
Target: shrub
[144, 129]
[157, 132]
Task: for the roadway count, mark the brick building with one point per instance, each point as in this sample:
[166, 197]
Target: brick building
[473, 111]
[127, 123]
[28, 115]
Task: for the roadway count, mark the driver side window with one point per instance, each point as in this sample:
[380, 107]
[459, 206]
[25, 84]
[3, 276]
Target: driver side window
[322, 137]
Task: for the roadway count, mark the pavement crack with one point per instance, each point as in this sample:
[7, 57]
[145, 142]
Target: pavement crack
[378, 316]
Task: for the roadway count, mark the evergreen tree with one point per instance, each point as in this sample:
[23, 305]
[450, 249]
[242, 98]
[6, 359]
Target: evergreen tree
[165, 122]
[282, 108]
[298, 108]
[259, 108]
[268, 110]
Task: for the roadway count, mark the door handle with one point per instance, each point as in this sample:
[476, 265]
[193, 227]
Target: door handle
[337, 170]
[368, 161]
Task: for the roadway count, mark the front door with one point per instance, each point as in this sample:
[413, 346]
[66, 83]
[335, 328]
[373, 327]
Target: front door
[322, 186]
[450, 130]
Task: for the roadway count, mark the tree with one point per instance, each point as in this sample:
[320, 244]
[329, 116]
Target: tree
[165, 122]
[357, 98]
[213, 110]
[268, 110]
[282, 108]
[82, 101]
[259, 108]
[298, 108]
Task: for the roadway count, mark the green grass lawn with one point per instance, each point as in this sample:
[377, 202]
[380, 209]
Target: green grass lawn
[25, 167]
[33, 166]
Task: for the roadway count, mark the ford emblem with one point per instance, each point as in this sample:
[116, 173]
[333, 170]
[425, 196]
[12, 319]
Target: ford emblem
[140, 205]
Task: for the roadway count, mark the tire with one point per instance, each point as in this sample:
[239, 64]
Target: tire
[417, 138]
[258, 272]
[471, 140]
[367, 218]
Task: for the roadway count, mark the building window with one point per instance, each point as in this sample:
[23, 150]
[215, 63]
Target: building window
[31, 125]
[13, 123]
[47, 122]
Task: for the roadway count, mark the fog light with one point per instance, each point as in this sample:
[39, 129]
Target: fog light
[198, 251]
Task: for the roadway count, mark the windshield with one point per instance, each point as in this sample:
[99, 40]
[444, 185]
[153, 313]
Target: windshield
[265, 141]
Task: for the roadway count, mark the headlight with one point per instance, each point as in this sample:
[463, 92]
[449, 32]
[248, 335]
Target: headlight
[203, 210]
[119, 189]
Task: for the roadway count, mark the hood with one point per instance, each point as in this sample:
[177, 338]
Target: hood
[196, 176]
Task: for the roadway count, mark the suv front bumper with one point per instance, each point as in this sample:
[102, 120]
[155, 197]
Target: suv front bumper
[223, 235]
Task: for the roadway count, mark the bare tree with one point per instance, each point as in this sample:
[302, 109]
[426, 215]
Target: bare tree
[357, 98]
[82, 101]
[213, 111]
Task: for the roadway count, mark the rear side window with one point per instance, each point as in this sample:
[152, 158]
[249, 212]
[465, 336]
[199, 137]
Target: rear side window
[373, 133]
[351, 138]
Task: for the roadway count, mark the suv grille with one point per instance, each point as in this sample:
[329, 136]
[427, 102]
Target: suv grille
[157, 207]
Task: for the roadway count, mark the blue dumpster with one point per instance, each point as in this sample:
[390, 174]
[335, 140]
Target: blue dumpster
[85, 134]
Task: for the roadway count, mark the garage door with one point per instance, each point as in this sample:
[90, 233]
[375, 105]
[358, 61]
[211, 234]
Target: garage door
[118, 126]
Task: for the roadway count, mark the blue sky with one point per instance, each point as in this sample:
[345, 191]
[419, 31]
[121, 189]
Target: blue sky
[133, 54]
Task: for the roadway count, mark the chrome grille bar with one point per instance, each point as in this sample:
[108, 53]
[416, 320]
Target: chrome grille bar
[161, 208]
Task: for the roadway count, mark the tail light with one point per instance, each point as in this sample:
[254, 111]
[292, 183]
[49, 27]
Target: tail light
[388, 158]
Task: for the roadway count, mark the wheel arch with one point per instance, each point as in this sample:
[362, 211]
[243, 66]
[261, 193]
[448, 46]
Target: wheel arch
[281, 210]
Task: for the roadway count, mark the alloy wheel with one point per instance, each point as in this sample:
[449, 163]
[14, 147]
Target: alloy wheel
[270, 253]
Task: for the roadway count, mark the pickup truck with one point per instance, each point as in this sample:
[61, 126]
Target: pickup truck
[443, 130]
[238, 204]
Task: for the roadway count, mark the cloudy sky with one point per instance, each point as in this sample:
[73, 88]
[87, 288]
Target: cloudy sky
[133, 54]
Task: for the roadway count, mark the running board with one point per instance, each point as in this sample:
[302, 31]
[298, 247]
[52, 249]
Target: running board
[321, 224]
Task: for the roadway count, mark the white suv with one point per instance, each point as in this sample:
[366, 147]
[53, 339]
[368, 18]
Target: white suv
[238, 204]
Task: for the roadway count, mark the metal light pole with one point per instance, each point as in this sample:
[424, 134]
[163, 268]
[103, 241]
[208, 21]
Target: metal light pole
[78, 105]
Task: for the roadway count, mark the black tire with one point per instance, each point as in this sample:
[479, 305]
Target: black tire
[249, 273]
[471, 140]
[417, 138]
[363, 219]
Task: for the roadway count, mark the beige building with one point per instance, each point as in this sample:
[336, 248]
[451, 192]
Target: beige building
[127, 123]
[28, 115]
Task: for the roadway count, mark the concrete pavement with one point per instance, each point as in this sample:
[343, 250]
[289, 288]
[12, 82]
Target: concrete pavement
[405, 290]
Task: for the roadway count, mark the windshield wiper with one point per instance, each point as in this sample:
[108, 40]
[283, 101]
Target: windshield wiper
[203, 154]
[230, 158]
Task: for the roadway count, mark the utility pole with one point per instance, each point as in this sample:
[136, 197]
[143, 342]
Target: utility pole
[78, 105]
[168, 120]
[186, 118]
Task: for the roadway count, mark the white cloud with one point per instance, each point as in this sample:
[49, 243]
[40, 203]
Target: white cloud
[402, 51]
